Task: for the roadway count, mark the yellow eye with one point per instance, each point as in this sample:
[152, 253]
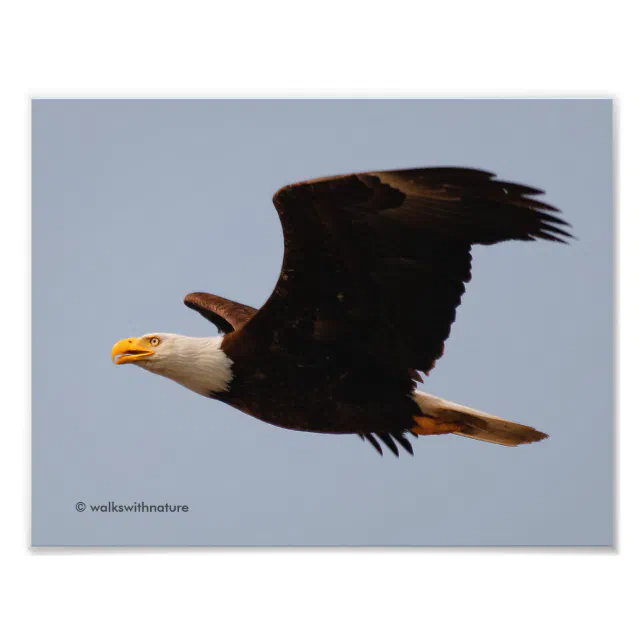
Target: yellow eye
[154, 342]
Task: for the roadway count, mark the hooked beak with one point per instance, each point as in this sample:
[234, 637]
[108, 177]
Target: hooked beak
[129, 350]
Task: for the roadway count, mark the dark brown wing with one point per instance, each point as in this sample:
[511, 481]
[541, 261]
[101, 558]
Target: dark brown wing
[225, 314]
[376, 263]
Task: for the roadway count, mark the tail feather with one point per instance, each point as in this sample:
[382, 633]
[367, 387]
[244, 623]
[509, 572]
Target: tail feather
[442, 416]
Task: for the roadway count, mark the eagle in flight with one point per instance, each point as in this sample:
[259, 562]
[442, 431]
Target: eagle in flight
[374, 267]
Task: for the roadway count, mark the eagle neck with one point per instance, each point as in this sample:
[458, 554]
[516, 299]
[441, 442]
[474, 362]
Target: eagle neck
[199, 364]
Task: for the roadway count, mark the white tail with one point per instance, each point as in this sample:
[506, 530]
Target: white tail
[445, 417]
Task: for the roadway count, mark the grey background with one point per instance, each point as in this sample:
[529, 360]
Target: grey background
[138, 202]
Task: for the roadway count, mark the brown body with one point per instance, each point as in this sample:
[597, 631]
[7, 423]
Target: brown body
[327, 392]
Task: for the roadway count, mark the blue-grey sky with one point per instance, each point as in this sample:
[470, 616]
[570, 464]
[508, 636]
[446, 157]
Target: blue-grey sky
[138, 202]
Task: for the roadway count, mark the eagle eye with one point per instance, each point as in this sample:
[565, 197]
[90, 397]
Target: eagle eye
[154, 341]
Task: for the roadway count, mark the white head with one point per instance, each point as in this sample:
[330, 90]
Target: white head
[196, 363]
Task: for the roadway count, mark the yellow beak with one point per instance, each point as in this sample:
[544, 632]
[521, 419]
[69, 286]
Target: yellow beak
[130, 350]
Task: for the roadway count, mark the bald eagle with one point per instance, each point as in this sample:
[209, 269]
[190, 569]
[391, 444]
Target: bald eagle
[374, 267]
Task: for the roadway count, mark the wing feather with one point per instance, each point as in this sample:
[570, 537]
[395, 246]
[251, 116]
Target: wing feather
[376, 263]
[226, 315]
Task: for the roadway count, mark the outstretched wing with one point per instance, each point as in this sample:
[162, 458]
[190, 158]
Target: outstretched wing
[225, 314]
[375, 264]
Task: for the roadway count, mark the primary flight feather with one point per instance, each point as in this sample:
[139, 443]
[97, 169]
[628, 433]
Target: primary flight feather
[374, 267]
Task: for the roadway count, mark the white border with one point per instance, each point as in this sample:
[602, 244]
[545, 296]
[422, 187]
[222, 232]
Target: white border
[310, 49]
